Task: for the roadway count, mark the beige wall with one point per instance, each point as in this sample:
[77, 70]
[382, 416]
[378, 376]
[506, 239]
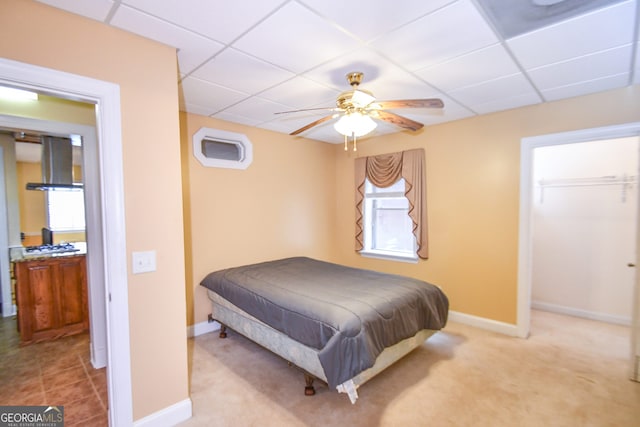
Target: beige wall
[51, 108]
[473, 168]
[37, 34]
[281, 206]
[31, 203]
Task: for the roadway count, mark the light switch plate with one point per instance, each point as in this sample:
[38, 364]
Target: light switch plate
[143, 262]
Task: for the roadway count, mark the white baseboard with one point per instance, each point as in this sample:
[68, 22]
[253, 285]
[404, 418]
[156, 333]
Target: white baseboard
[167, 417]
[9, 310]
[202, 328]
[484, 323]
[586, 314]
[98, 357]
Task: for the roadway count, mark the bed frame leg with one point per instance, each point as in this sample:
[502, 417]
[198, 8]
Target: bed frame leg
[223, 331]
[308, 389]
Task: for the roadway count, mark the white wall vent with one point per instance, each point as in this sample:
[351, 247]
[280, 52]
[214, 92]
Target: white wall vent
[216, 148]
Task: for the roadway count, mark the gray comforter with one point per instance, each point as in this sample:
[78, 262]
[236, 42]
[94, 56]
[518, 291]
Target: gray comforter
[349, 315]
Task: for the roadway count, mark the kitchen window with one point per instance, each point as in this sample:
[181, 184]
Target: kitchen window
[65, 210]
[388, 229]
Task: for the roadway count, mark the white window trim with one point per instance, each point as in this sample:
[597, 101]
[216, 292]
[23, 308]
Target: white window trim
[390, 256]
[238, 139]
[379, 253]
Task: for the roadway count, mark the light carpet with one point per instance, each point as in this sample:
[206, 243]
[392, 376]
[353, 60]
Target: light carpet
[569, 372]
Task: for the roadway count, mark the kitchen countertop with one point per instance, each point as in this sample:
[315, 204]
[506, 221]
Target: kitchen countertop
[18, 253]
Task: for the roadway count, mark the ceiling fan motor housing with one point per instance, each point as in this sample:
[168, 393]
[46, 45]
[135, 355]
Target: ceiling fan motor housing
[350, 100]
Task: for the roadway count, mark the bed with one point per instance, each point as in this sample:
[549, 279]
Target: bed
[339, 324]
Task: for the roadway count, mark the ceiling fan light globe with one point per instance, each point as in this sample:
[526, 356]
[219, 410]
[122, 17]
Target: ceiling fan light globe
[355, 124]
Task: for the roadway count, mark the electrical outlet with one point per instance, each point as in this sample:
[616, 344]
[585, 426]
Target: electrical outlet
[143, 262]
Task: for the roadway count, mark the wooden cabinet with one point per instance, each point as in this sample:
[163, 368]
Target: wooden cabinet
[51, 297]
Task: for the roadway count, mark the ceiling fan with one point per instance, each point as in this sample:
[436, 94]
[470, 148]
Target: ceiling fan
[357, 107]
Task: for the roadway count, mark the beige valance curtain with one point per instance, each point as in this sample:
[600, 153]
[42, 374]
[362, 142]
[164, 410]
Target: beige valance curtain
[383, 171]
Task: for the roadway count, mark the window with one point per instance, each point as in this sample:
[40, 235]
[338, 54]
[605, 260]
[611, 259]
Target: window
[388, 229]
[65, 210]
[221, 149]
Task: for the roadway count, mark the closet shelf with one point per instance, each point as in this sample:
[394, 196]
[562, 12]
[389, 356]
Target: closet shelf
[624, 180]
[589, 181]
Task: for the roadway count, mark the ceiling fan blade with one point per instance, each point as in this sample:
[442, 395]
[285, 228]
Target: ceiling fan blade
[397, 120]
[309, 109]
[362, 99]
[310, 125]
[412, 103]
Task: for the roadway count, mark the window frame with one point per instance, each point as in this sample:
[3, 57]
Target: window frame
[369, 229]
[245, 148]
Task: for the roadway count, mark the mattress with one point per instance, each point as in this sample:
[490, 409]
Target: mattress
[348, 315]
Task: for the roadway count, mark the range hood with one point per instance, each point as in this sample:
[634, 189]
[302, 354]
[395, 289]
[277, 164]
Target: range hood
[57, 165]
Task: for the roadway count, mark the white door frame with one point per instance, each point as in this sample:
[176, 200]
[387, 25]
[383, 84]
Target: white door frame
[110, 224]
[5, 276]
[525, 245]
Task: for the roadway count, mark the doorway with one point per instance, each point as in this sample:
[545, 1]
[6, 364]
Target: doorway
[526, 232]
[584, 220]
[107, 226]
[95, 276]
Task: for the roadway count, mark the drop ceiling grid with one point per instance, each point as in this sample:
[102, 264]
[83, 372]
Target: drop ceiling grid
[239, 60]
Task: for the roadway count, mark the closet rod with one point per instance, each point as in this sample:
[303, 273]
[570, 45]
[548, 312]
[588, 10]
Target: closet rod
[591, 181]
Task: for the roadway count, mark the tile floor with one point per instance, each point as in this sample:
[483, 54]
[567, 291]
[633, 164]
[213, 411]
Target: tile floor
[56, 373]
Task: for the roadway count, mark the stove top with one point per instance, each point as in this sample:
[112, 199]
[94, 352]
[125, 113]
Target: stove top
[50, 249]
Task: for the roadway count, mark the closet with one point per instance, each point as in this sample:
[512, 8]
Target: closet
[584, 228]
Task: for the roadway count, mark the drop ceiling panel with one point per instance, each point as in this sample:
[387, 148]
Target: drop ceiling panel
[502, 88]
[301, 92]
[585, 88]
[215, 97]
[296, 39]
[365, 22]
[516, 101]
[237, 70]
[290, 122]
[221, 20]
[448, 32]
[256, 108]
[600, 30]
[374, 66]
[483, 64]
[193, 49]
[585, 68]
[381, 76]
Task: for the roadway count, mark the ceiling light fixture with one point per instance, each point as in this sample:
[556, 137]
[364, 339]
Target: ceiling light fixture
[354, 124]
[12, 94]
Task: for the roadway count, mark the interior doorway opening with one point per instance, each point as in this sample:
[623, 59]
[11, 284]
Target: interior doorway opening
[584, 213]
[107, 227]
[527, 228]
